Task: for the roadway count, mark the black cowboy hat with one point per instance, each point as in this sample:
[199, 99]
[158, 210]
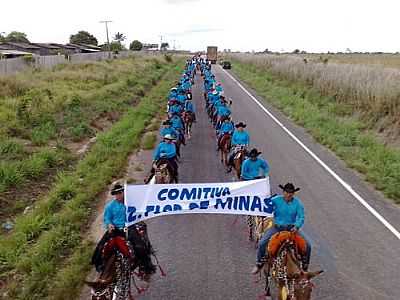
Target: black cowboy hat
[289, 187]
[254, 152]
[240, 124]
[117, 188]
[167, 122]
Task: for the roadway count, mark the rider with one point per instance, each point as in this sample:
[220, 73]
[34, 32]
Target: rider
[240, 137]
[189, 107]
[288, 216]
[252, 166]
[167, 150]
[174, 107]
[226, 127]
[114, 222]
[168, 129]
[179, 126]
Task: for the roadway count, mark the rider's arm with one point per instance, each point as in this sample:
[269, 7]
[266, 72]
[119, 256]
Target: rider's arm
[265, 168]
[244, 170]
[299, 215]
[156, 154]
[107, 218]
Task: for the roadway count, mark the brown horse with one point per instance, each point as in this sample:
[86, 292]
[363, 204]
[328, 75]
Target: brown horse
[224, 147]
[284, 277]
[162, 173]
[114, 281]
[188, 119]
[238, 160]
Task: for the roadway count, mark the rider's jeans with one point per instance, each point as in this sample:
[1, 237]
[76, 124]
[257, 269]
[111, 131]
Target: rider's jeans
[262, 245]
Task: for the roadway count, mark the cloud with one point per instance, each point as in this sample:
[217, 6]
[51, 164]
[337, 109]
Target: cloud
[179, 1]
[194, 31]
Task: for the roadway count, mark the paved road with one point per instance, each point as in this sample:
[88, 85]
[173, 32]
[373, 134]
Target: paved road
[208, 257]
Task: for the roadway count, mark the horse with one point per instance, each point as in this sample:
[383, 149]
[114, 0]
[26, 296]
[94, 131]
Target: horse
[284, 276]
[162, 172]
[224, 147]
[115, 279]
[238, 160]
[188, 119]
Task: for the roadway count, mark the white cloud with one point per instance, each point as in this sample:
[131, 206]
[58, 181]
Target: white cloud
[312, 25]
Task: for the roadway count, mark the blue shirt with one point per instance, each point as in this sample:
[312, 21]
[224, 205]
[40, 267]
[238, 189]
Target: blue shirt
[223, 111]
[226, 127]
[181, 98]
[164, 150]
[177, 123]
[168, 130]
[175, 108]
[115, 214]
[288, 213]
[189, 106]
[251, 168]
[240, 138]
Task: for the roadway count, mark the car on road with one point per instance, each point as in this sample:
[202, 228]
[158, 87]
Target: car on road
[226, 64]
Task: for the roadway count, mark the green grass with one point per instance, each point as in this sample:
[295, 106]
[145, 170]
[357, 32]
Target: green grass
[332, 124]
[32, 254]
[149, 141]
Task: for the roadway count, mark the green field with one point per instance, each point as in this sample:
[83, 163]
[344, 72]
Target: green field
[46, 256]
[354, 117]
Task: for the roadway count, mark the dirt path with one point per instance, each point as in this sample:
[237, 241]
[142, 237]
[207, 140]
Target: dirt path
[138, 166]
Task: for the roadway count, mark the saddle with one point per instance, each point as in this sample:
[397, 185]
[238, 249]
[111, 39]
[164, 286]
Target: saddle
[278, 239]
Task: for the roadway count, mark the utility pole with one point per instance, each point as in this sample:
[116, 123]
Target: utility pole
[108, 39]
[160, 41]
[174, 44]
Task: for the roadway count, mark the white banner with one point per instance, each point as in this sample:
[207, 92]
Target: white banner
[238, 198]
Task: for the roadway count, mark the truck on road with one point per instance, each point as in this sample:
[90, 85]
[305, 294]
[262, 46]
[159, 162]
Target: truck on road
[212, 53]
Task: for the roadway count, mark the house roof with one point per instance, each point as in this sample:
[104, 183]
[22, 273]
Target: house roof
[22, 45]
[46, 45]
[82, 47]
[14, 52]
[63, 46]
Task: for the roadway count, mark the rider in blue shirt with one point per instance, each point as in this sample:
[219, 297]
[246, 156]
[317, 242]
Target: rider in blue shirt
[226, 127]
[189, 107]
[168, 129]
[288, 216]
[252, 166]
[240, 137]
[167, 150]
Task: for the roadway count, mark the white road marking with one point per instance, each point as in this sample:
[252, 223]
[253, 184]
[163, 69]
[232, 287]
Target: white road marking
[313, 155]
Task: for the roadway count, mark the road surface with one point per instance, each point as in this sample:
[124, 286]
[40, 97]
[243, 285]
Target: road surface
[209, 257]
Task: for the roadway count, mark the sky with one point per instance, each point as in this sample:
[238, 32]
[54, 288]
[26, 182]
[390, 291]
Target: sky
[251, 25]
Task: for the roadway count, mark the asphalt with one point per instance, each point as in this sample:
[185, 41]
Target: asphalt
[209, 257]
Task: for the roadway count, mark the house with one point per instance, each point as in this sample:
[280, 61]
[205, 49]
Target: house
[83, 49]
[91, 47]
[65, 49]
[48, 49]
[10, 53]
[25, 47]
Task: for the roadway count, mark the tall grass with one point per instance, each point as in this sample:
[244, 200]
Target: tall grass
[32, 254]
[372, 91]
[331, 124]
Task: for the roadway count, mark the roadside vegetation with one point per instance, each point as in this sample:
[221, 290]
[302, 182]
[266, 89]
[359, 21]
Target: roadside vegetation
[47, 116]
[354, 110]
[44, 257]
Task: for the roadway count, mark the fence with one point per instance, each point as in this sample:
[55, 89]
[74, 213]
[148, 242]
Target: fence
[14, 65]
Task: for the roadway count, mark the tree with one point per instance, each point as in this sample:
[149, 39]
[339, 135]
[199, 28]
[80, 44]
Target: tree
[119, 37]
[164, 46]
[296, 51]
[16, 37]
[83, 37]
[2, 38]
[136, 45]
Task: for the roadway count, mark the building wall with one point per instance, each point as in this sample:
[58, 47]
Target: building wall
[15, 65]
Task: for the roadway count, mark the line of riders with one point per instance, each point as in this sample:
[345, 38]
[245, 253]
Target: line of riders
[233, 141]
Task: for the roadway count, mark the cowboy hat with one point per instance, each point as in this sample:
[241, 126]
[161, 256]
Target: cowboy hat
[289, 187]
[117, 188]
[240, 124]
[169, 137]
[254, 152]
